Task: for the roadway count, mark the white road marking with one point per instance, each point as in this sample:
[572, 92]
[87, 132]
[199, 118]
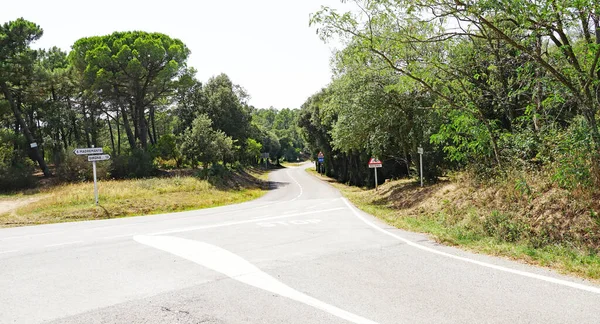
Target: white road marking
[11, 251]
[113, 226]
[118, 236]
[298, 183]
[29, 235]
[289, 223]
[65, 243]
[255, 220]
[480, 263]
[237, 268]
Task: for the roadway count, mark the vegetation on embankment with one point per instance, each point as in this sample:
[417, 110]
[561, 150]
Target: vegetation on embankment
[526, 218]
[121, 198]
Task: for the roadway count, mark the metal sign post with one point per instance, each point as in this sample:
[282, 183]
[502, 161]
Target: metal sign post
[420, 151]
[95, 183]
[321, 159]
[375, 164]
[93, 158]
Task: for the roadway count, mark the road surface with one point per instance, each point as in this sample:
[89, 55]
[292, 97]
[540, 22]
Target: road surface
[300, 254]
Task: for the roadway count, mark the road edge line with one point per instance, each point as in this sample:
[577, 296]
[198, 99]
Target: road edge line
[476, 262]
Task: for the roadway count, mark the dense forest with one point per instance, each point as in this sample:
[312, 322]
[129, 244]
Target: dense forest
[133, 94]
[496, 88]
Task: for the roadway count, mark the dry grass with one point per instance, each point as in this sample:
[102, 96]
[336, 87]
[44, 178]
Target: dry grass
[524, 218]
[120, 198]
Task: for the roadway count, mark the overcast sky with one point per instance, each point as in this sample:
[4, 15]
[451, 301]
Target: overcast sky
[266, 46]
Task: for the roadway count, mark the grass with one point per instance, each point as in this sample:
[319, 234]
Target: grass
[122, 198]
[435, 211]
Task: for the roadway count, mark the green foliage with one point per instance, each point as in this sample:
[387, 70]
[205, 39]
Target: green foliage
[253, 149]
[166, 148]
[573, 151]
[74, 168]
[138, 164]
[15, 169]
[201, 143]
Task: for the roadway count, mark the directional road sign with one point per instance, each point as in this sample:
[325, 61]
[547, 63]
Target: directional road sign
[420, 150]
[94, 158]
[88, 151]
[375, 163]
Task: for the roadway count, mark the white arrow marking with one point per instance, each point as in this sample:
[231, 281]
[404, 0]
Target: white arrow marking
[235, 267]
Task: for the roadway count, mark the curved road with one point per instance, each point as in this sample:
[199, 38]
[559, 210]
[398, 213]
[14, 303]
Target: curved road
[300, 254]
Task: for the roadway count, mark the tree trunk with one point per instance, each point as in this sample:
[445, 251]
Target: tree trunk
[143, 129]
[19, 117]
[118, 134]
[153, 123]
[110, 131]
[130, 136]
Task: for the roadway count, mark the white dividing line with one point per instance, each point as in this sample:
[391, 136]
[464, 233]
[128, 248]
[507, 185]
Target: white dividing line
[237, 268]
[66, 243]
[113, 226]
[479, 263]
[11, 251]
[298, 183]
[29, 235]
[119, 236]
[255, 220]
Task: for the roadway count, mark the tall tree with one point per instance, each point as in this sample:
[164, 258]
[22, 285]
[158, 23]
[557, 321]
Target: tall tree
[17, 61]
[133, 71]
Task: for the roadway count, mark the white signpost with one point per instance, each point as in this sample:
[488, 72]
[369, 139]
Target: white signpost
[375, 164]
[420, 151]
[88, 151]
[93, 158]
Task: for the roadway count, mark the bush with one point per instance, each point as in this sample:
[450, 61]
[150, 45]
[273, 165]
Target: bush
[166, 148]
[573, 151]
[139, 164]
[16, 170]
[18, 176]
[74, 168]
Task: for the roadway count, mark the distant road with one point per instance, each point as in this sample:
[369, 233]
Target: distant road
[301, 254]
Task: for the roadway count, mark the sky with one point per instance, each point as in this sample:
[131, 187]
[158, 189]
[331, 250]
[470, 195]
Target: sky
[266, 46]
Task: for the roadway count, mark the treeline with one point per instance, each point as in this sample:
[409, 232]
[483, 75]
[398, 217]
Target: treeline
[131, 93]
[488, 86]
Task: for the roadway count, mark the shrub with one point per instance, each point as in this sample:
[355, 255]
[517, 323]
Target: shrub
[16, 176]
[139, 164]
[74, 168]
[573, 151]
[15, 168]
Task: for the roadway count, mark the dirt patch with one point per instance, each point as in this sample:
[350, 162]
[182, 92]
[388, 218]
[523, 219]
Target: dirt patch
[8, 205]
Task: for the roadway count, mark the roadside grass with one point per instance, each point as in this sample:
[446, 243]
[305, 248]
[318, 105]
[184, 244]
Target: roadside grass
[430, 211]
[122, 198]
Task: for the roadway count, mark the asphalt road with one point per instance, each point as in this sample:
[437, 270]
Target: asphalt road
[300, 254]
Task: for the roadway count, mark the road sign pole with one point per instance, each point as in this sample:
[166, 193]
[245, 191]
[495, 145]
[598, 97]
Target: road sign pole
[375, 178]
[421, 160]
[95, 182]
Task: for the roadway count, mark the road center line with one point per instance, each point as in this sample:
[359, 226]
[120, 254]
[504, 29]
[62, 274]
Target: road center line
[29, 235]
[119, 236]
[479, 263]
[66, 243]
[235, 267]
[255, 220]
[298, 183]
